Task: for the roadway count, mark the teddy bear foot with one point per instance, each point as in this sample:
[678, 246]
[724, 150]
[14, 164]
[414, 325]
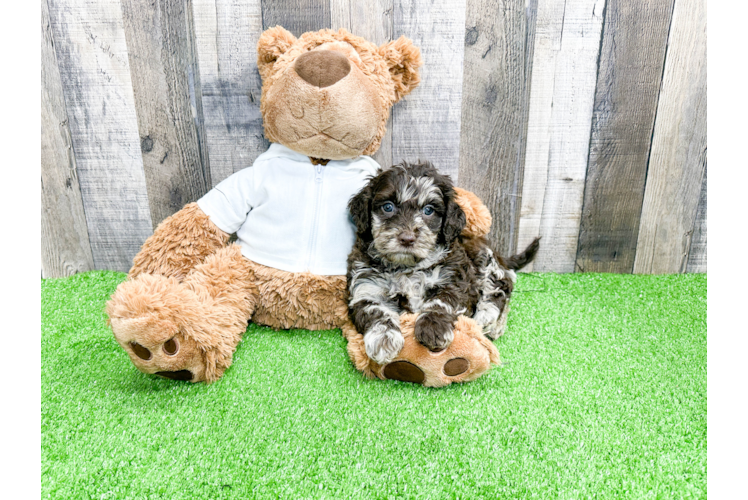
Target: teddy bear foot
[468, 357]
[147, 316]
[143, 314]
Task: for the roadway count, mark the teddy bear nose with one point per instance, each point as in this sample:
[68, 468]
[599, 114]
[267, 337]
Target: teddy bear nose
[322, 68]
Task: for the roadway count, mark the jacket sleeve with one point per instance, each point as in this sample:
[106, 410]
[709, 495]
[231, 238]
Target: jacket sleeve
[229, 203]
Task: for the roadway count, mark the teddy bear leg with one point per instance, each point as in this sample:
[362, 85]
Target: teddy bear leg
[299, 300]
[187, 330]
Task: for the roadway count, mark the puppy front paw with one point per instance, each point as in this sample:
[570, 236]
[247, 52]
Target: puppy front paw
[383, 343]
[434, 330]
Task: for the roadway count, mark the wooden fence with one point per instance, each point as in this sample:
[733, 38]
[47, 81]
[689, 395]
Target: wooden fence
[582, 121]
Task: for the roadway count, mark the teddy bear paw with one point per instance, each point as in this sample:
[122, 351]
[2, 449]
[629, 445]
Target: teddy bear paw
[142, 314]
[466, 358]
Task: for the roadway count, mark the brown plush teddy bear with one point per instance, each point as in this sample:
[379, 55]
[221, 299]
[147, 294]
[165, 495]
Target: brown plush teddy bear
[325, 103]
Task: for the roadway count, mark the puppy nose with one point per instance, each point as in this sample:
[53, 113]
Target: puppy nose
[406, 238]
[322, 68]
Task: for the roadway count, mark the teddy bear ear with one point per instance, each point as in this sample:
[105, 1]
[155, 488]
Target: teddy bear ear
[403, 59]
[273, 43]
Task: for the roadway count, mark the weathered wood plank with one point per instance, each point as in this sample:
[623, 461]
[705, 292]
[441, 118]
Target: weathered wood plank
[519, 176]
[567, 45]
[628, 84]
[226, 35]
[65, 246]
[298, 16]
[426, 123]
[371, 20]
[697, 250]
[678, 158]
[166, 85]
[494, 117]
[95, 75]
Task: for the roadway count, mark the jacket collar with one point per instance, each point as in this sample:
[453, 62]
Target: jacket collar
[280, 151]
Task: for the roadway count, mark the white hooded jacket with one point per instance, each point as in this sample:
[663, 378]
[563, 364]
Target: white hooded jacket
[290, 214]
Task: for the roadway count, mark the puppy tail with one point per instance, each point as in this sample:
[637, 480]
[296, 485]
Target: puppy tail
[522, 259]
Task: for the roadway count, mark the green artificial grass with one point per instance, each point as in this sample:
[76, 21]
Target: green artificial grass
[602, 394]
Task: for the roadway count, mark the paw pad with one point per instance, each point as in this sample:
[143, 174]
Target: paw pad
[140, 351]
[455, 366]
[404, 371]
[408, 372]
[178, 375]
[171, 347]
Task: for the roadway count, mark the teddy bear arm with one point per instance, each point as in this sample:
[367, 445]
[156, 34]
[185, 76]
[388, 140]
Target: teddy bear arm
[476, 213]
[179, 243]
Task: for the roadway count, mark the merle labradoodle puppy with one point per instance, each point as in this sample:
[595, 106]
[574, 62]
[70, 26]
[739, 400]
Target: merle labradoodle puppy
[409, 256]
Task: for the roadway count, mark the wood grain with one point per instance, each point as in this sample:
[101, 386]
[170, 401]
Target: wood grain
[95, 74]
[65, 246]
[519, 176]
[567, 45]
[226, 35]
[628, 83]
[678, 157]
[494, 117]
[697, 250]
[371, 20]
[426, 123]
[166, 85]
[298, 16]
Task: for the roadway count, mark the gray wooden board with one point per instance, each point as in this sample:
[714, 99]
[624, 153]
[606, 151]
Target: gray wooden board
[628, 83]
[298, 16]
[519, 167]
[95, 74]
[226, 35]
[678, 156]
[697, 250]
[371, 20]
[567, 45]
[493, 117]
[165, 81]
[426, 123]
[65, 246]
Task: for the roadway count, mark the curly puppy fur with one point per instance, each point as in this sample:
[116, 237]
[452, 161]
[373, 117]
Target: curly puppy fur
[409, 256]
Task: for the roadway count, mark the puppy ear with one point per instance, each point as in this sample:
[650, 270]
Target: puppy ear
[454, 221]
[360, 209]
[273, 43]
[403, 58]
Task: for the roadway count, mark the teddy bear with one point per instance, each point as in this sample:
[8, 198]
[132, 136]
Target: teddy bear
[190, 293]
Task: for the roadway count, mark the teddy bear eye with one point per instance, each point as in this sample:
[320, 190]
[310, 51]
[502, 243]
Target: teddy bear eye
[388, 207]
[428, 210]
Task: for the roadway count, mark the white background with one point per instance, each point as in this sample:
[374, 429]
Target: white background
[727, 189]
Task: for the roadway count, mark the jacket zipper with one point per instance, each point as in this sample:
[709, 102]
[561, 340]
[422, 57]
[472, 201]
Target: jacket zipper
[318, 173]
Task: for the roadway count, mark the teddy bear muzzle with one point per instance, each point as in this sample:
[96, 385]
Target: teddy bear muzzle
[326, 107]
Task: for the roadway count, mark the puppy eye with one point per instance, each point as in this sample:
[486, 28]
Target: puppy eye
[388, 207]
[428, 210]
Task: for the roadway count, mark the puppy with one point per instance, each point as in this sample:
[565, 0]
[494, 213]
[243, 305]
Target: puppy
[409, 256]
